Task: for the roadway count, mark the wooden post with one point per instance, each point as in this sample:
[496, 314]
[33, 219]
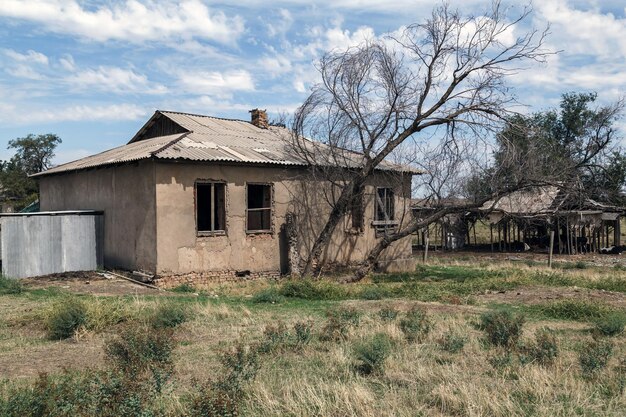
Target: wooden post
[551, 248]
[499, 238]
[618, 233]
[567, 236]
[491, 235]
[425, 248]
[474, 227]
[558, 233]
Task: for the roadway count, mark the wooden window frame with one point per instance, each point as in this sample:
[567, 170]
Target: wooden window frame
[212, 183]
[389, 223]
[270, 208]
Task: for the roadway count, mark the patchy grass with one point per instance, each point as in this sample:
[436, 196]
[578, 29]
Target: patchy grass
[396, 345]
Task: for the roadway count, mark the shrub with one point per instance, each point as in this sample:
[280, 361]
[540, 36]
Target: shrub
[502, 327]
[371, 354]
[209, 402]
[594, 356]
[415, 325]
[452, 342]
[269, 295]
[611, 324]
[169, 315]
[501, 360]
[184, 289]
[543, 349]
[222, 398]
[241, 365]
[371, 293]
[105, 312]
[348, 315]
[388, 314]
[10, 286]
[274, 337]
[339, 322]
[308, 290]
[303, 331]
[575, 310]
[65, 318]
[143, 354]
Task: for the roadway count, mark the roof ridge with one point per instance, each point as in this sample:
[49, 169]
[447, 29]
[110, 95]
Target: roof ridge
[170, 143]
[205, 115]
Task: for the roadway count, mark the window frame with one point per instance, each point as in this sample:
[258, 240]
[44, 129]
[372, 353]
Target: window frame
[357, 214]
[389, 223]
[270, 208]
[212, 183]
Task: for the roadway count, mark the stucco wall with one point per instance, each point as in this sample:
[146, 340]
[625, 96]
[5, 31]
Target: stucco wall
[181, 251]
[126, 194]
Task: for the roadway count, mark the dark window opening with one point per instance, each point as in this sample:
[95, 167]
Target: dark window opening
[211, 207]
[384, 205]
[357, 211]
[259, 210]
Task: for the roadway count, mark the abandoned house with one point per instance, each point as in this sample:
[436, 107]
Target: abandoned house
[199, 197]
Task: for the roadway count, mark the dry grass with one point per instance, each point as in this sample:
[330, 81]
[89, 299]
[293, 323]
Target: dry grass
[319, 378]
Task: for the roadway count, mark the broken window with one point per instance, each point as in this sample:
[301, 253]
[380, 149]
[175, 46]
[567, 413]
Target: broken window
[357, 212]
[384, 205]
[259, 210]
[210, 207]
[384, 220]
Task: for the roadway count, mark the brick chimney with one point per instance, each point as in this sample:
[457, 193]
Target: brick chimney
[259, 118]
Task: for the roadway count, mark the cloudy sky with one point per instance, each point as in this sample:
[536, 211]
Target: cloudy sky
[94, 71]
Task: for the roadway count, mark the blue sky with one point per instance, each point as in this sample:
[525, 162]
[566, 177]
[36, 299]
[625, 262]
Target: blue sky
[94, 71]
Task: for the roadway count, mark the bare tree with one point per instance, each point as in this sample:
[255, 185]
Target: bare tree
[428, 84]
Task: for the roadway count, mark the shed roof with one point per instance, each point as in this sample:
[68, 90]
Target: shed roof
[206, 138]
[531, 201]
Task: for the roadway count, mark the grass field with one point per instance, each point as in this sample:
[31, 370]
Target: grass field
[456, 337]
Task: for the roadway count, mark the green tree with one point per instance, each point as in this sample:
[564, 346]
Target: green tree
[33, 154]
[574, 145]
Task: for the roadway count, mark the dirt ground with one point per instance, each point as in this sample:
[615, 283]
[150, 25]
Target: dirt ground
[91, 282]
[593, 259]
[539, 295]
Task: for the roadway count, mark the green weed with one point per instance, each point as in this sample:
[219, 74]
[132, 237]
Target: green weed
[370, 355]
[502, 327]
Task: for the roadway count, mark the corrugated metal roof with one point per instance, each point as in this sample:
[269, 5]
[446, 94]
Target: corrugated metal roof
[532, 201]
[126, 153]
[221, 140]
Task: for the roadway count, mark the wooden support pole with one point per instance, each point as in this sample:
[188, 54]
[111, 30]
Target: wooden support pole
[474, 227]
[491, 236]
[558, 233]
[567, 236]
[426, 248]
[551, 248]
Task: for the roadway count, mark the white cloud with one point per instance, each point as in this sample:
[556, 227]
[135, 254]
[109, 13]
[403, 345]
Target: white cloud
[215, 82]
[32, 57]
[586, 32]
[26, 65]
[275, 65]
[67, 63]
[280, 24]
[13, 115]
[113, 79]
[132, 20]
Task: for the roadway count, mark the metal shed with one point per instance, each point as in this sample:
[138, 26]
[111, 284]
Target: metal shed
[42, 243]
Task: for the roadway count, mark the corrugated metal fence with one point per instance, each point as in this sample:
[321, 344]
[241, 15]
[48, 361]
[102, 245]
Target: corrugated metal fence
[43, 243]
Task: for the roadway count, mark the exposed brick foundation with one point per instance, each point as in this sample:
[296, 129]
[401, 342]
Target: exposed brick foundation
[207, 278]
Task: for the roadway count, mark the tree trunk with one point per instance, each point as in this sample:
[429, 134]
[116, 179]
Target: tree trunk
[339, 210]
